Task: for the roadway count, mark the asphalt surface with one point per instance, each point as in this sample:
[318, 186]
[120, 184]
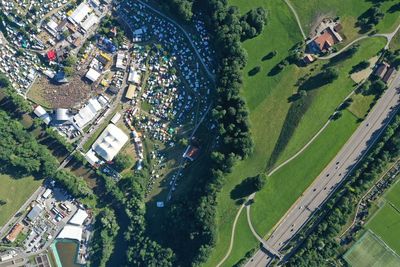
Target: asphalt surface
[334, 174]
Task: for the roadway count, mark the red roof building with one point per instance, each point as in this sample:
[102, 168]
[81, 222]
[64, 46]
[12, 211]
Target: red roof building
[51, 55]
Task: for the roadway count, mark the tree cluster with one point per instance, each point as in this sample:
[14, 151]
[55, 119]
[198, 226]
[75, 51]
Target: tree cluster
[370, 18]
[321, 245]
[253, 22]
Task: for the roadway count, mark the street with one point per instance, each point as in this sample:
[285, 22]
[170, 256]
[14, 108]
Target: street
[334, 174]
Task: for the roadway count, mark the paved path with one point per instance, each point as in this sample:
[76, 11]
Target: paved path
[228, 253]
[297, 18]
[336, 171]
[209, 73]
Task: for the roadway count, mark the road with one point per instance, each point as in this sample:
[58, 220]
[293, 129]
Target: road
[335, 172]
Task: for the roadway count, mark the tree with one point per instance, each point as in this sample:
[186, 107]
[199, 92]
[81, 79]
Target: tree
[70, 61]
[2, 202]
[69, 71]
[4, 82]
[122, 162]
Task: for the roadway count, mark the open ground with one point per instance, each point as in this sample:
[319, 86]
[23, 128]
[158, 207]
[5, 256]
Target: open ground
[371, 251]
[267, 100]
[15, 191]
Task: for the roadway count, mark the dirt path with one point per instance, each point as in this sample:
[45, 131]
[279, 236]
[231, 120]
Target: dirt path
[297, 18]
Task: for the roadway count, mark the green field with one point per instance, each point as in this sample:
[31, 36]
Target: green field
[312, 11]
[371, 251]
[394, 195]
[15, 191]
[361, 104]
[386, 222]
[395, 44]
[266, 97]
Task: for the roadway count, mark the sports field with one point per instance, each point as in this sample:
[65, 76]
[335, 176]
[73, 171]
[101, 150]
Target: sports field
[371, 251]
[15, 192]
[386, 222]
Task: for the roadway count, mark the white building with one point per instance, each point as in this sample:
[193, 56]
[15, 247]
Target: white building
[92, 75]
[120, 61]
[42, 114]
[79, 13]
[110, 142]
[79, 217]
[89, 22]
[71, 232]
[87, 113]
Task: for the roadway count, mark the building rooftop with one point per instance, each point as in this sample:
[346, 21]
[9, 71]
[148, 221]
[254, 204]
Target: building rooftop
[110, 142]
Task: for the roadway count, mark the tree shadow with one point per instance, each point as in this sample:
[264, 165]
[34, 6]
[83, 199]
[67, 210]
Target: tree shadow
[254, 71]
[275, 70]
[242, 190]
[394, 8]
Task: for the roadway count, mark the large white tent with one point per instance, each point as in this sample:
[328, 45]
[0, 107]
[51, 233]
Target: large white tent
[80, 13]
[79, 217]
[89, 22]
[87, 113]
[110, 142]
[71, 232]
[92, 75]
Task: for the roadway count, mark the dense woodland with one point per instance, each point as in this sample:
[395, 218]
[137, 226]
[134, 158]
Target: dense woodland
[191, 220]
[321, 245]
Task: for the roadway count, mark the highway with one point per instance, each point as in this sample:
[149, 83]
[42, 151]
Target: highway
[334, 173]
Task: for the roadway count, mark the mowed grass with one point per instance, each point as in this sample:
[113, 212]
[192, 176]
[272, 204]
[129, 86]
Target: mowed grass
[312, 11]
[395, 44]
[266, 97]
[288, 183]
[361, 104]
[243, 238]
[15, 191]
[386, 224]
[371, 251]
[394, 195]
[329, 97]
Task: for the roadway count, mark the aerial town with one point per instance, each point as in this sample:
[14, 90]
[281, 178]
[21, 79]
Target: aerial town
[199, 133]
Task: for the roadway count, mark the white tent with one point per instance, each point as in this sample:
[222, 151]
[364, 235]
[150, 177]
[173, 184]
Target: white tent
[71, 232]
[92, 75]
[79, 217]
[79, 13]
[40, 111]
[110, 142]
[89, 22]
[87, 113]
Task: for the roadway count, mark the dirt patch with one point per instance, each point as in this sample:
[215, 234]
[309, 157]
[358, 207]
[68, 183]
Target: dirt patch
[68, 95]
[315, 26]
[364, 74]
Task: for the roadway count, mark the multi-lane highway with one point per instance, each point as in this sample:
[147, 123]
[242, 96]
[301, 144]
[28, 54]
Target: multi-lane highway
[334, 174]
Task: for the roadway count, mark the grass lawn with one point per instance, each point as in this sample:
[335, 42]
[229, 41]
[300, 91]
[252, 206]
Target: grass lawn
[386, 224]
[287, 184]
[243, 238]
[329, 97]
[371, 251]
[394, 195]
[395, 44]
[361, 105]
[15, 192]
[311, 11]
[266, 97]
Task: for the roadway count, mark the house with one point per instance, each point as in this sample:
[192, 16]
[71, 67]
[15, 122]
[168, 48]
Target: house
[13, 234]
[328, 38]
[381, 70]
[388, 74]
[191, 153]
[308, 58]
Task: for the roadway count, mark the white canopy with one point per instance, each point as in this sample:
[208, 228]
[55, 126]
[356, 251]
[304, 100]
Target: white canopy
[79, 217]
[71, 232]
[110, 142]
[92, 75]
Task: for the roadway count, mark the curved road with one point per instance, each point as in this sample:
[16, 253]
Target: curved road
[335, 173]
